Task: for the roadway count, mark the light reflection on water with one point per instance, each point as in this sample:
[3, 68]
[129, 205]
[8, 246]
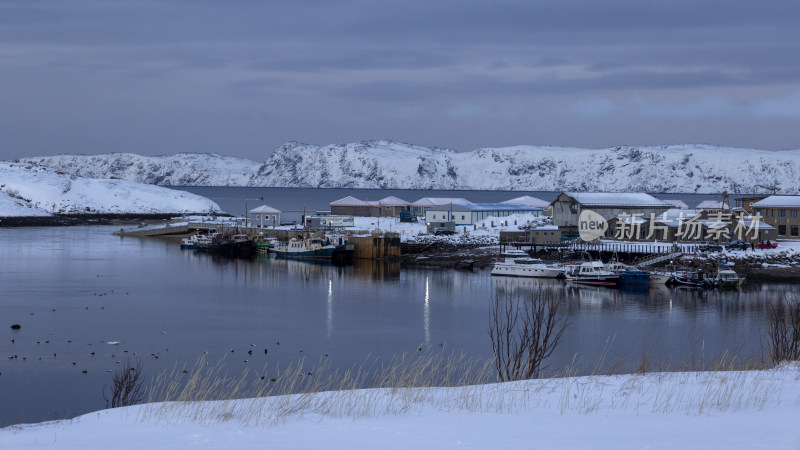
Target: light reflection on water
[75, 289]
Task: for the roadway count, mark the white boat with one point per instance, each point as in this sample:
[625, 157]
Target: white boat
[527, 267]
[515, 253]
[659, 278]
[195, 241]
[592, 273]
[727, 278]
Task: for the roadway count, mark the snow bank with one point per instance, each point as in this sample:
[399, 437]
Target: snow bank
[29, 190]
[703, 410]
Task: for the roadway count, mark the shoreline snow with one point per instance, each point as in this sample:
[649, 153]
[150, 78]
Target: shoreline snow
[704, 410]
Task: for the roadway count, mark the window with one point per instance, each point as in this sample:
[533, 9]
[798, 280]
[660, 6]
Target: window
[434, 217]
[794, 213]
[782, 230]
[757, 211]
[781, 213]
[462, 217]
[794, 230]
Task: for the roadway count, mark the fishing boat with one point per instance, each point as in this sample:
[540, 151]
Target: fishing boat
[527, 267]
[337, 250]
[592, 273]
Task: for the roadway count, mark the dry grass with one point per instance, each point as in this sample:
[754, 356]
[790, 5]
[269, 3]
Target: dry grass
[207, 394]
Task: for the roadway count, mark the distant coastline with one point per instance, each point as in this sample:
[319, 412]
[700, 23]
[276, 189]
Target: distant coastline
[86, 219]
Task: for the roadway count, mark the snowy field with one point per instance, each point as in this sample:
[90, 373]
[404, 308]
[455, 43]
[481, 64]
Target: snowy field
[689, 410]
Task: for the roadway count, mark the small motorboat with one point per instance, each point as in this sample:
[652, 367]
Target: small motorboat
[592, 273]
[727, 278]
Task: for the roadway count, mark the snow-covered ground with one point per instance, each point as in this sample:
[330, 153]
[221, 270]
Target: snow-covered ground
[27, 190]
[698, 410]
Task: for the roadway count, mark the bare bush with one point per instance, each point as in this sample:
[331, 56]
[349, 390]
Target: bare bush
[524, 332]
[783, 332]
[127, 387]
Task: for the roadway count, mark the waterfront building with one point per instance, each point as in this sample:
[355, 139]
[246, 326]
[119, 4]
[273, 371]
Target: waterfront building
[782, 212]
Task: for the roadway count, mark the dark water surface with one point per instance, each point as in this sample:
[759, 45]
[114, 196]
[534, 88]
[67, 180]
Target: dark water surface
[75, 289]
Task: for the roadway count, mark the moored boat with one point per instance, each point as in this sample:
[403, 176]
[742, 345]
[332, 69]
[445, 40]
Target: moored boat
[633, 278]
[515, 253]
[659, 278]
[527, 267]
[690, 278]
[316, 248]
[727, 278]
[240, 245]
[592, 273]
[194, 241]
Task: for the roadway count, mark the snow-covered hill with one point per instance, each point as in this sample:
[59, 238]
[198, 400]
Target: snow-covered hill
[393, 165]
[27, 190]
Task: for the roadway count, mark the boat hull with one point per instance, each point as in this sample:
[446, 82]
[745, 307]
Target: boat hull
[527, 272]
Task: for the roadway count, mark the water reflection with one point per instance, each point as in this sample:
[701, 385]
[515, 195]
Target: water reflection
[151, 296]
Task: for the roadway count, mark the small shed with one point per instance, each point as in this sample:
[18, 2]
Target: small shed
[266, 214]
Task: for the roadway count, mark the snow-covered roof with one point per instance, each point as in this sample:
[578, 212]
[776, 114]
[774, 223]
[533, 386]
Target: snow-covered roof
[680, 204]
[352, 201]
[492, 207]
[778, 201]
[439, 201]
[392, 201]
[529, 201]
[264, 209]
[712, 204]
[616, 199]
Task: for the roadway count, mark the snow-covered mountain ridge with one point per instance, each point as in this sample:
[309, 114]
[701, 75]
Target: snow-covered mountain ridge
[394, 165]
[28, 190]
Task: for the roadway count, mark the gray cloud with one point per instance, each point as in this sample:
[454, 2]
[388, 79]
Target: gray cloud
[243, 77]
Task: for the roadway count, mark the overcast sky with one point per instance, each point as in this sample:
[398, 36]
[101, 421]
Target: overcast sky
[242, 77]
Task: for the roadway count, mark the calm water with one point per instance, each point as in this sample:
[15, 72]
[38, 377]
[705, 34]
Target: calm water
[75, 289]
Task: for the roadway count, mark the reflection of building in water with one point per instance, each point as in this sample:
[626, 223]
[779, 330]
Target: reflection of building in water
[377, 270]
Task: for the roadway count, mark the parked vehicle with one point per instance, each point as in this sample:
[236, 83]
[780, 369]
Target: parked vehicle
[406, 216]
[709, 246]
[766, 244]
[737, 245]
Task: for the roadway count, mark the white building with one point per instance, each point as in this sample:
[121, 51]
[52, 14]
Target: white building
[419, 207]
[472, 213]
